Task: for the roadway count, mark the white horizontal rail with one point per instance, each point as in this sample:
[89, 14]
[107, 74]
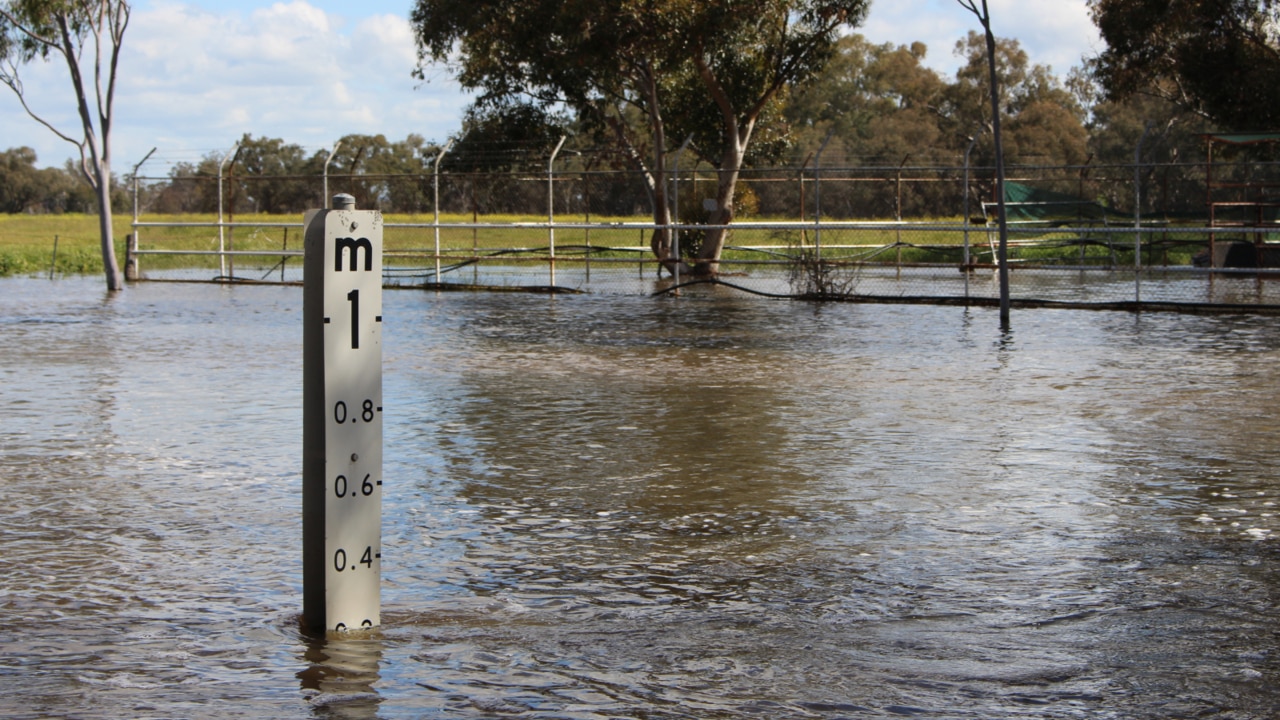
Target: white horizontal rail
[216, 224]
[1027, 228]
[223, 253]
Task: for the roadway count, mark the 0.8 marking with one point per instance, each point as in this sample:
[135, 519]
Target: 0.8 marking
[366, 414]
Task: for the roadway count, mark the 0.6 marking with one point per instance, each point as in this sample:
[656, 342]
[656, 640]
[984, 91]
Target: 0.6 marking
[366, 488]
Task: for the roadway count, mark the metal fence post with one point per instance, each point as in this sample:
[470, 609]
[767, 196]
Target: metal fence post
[897, 212]
[435, 202]
[1137, 214]
[131, 255]
[551, 206]
[967, 151]
[222, 242]
[967, 263]
[817, 196]
[675, 209]
[325, 183]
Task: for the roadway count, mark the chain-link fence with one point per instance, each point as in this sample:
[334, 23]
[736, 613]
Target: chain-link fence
[1071, 238]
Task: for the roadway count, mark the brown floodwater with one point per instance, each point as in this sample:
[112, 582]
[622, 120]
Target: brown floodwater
[713, 506]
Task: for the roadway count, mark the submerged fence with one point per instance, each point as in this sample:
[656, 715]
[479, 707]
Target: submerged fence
[1139, 235]
[1100, 265]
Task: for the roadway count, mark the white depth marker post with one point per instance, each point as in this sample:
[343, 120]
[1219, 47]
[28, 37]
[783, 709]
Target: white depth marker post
[342, 418]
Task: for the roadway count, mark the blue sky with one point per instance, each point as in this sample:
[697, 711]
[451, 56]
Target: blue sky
[198, 74]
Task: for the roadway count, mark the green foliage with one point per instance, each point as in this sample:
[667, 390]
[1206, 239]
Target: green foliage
[1175, 136]
[35, 261]
[24, 188]
[641, 71]
[879, 102]
[883, 106]
[288, 165]
[498, 137]
[1217, 58]
[1042, 119]
[21, 184]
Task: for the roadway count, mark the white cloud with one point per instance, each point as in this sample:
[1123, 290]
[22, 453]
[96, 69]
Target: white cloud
[1053, 32]
[39, 78]
[385, 43]
[193, 81]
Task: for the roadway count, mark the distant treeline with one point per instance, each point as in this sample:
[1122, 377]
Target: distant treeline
[24, 188]
[889, 134]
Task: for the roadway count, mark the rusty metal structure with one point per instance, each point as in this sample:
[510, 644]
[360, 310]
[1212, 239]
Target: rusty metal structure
[1240, 194]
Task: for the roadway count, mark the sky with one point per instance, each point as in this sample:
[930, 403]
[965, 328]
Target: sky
[196, 75]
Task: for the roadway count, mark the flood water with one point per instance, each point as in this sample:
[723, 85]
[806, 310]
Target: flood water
[713, 506]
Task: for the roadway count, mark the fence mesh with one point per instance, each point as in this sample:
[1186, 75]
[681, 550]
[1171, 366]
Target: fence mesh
[1071, 237]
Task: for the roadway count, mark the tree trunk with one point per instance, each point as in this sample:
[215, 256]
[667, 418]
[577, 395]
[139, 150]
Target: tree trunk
[102, 188]
[708, 264]
[737, 135]
[661, 242]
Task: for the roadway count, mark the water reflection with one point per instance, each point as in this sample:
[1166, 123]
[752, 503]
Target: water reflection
[343, 670]
[628, 464]
[704, 507]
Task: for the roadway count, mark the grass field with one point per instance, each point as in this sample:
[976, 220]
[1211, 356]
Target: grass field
[27, 241]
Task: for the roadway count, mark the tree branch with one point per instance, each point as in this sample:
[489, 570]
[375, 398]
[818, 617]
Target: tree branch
[23, 29]
[10, 79]
[972, 7]
[120, 21]
[89, 147]
[718, 93]
[100, 97]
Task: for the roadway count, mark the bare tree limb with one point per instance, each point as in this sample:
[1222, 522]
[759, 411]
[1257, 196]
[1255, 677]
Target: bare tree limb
[37, 28]
[10, 78]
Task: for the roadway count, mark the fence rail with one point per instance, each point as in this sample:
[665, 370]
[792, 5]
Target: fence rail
[1153, 265]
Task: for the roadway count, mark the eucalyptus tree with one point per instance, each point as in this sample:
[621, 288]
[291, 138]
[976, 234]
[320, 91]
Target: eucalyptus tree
[1217, 58]
[21, 183]
[601, 59]
[877, 100]
[747, 55]
[1042, 119]
[272, 175]
[384, 174]
[639, 69]
[356, 167]
[86, 35]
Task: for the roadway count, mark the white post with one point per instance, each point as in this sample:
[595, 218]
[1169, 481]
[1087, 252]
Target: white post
[1137, 214]
[342, 418]
[134, 176]
[435, 201]
[222, 247]
[551, 205]
[817, 196]
[332, 151]
[972, 141]
[133, 257]
[675, 210]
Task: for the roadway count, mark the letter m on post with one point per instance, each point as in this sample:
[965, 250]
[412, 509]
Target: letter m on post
[354, 246]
